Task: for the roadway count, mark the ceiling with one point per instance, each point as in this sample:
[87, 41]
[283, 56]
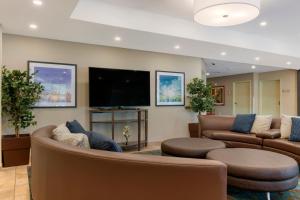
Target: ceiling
[217, 68]
[159, 25]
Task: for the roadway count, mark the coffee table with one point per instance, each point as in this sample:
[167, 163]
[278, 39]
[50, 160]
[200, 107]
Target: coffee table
[190, 147]
[258, 170]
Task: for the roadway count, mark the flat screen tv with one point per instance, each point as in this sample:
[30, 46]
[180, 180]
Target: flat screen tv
[118, 88]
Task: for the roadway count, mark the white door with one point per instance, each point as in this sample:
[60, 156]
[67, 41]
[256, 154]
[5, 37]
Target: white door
[242, 97]
[269, 101]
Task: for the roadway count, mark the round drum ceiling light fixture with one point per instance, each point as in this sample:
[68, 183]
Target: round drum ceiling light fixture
[225, 12]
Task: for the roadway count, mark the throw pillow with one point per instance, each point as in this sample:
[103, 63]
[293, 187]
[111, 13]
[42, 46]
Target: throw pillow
[295, 134]
[261, 123]
[101, 142]
[62, 134]
[243, 123]
[286, 126]
[75, 127]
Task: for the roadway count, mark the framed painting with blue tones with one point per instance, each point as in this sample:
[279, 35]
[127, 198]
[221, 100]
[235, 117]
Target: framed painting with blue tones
[59, 81]
[170, 88]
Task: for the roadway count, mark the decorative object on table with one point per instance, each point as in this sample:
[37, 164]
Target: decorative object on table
[126, 134]
[170, 88]
[201, 99]
[218, 93]
[59, 81]
[19, 94]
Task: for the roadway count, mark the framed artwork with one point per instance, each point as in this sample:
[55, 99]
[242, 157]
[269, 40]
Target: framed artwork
[170, 88]
[219, 94]
[59, 81]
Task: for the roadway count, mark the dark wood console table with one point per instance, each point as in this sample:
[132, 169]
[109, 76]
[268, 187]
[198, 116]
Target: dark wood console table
[114, 121]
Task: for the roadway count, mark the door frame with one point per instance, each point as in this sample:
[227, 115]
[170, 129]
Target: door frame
[233, 95]
[261, 96]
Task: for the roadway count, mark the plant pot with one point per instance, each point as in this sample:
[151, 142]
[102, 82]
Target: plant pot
[194, 130]
[15, 150]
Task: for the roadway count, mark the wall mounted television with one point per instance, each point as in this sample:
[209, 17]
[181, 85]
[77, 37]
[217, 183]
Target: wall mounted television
[118, 88]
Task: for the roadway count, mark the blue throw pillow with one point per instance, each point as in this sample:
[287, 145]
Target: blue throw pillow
[295, 133]
[243, 123]
[75, 127]
[101, 142]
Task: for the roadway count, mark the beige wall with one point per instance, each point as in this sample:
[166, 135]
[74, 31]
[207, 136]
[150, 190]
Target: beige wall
[164, 122]
[228, 81]
[288, 90]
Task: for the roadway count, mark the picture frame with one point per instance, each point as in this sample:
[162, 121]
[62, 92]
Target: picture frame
[218, 93]
[169, 88]
[59, 81]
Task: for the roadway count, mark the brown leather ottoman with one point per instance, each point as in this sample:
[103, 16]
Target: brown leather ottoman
[258, 170]
[190, 147]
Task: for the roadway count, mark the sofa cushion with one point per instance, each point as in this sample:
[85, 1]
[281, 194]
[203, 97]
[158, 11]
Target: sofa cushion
[284, 145]
[261, 123]
[101, 142]
[295, 132]
[243, 123]
[232, 136]
[269, 134]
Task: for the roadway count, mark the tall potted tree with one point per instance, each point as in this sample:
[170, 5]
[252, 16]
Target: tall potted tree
[19, 94]
[201, 100]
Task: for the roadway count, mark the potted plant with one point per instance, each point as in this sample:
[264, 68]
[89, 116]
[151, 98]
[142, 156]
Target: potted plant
[19, 94]
[201, 100]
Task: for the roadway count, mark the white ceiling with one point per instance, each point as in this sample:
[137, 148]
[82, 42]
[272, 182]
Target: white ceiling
[158, 25]
[217, 68]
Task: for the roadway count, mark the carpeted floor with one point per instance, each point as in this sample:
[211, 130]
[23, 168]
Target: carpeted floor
[235, 193]
[238, 194]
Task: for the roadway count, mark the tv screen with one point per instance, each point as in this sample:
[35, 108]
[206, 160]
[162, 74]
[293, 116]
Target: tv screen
[116, 88]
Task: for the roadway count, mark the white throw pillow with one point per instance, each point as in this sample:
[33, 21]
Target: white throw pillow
[62, 134]
[262, 123]
[286, 126]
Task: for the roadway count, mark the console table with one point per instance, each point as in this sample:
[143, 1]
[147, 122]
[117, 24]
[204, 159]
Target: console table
[113, 121]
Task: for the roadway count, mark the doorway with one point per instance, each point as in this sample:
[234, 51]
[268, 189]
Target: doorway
[242, 100]
[269, 101]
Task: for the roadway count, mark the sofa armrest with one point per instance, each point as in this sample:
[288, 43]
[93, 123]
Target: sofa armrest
[270, 134]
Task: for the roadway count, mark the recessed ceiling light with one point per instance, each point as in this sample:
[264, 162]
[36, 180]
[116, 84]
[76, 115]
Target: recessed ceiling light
[257, 58]
[263, 23]
[177, 47]
[33, 26]
[207, 74]
[288, 63]
[223, 53]
[225, 12]
[253, 67]
[37, 2]
[117, 38]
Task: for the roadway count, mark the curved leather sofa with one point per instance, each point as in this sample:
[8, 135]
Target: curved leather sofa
[63, 172]
[218, 128]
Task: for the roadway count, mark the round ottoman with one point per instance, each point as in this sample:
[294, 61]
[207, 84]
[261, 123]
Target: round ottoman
[190, 147]
[258, 170]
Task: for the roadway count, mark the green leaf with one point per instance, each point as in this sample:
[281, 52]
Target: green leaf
[19, 94]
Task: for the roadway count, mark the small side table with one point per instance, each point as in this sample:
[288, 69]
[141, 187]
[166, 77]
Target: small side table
[131, 145]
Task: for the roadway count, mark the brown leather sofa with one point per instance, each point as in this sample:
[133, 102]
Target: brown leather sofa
[63, 172]
[218, 128]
